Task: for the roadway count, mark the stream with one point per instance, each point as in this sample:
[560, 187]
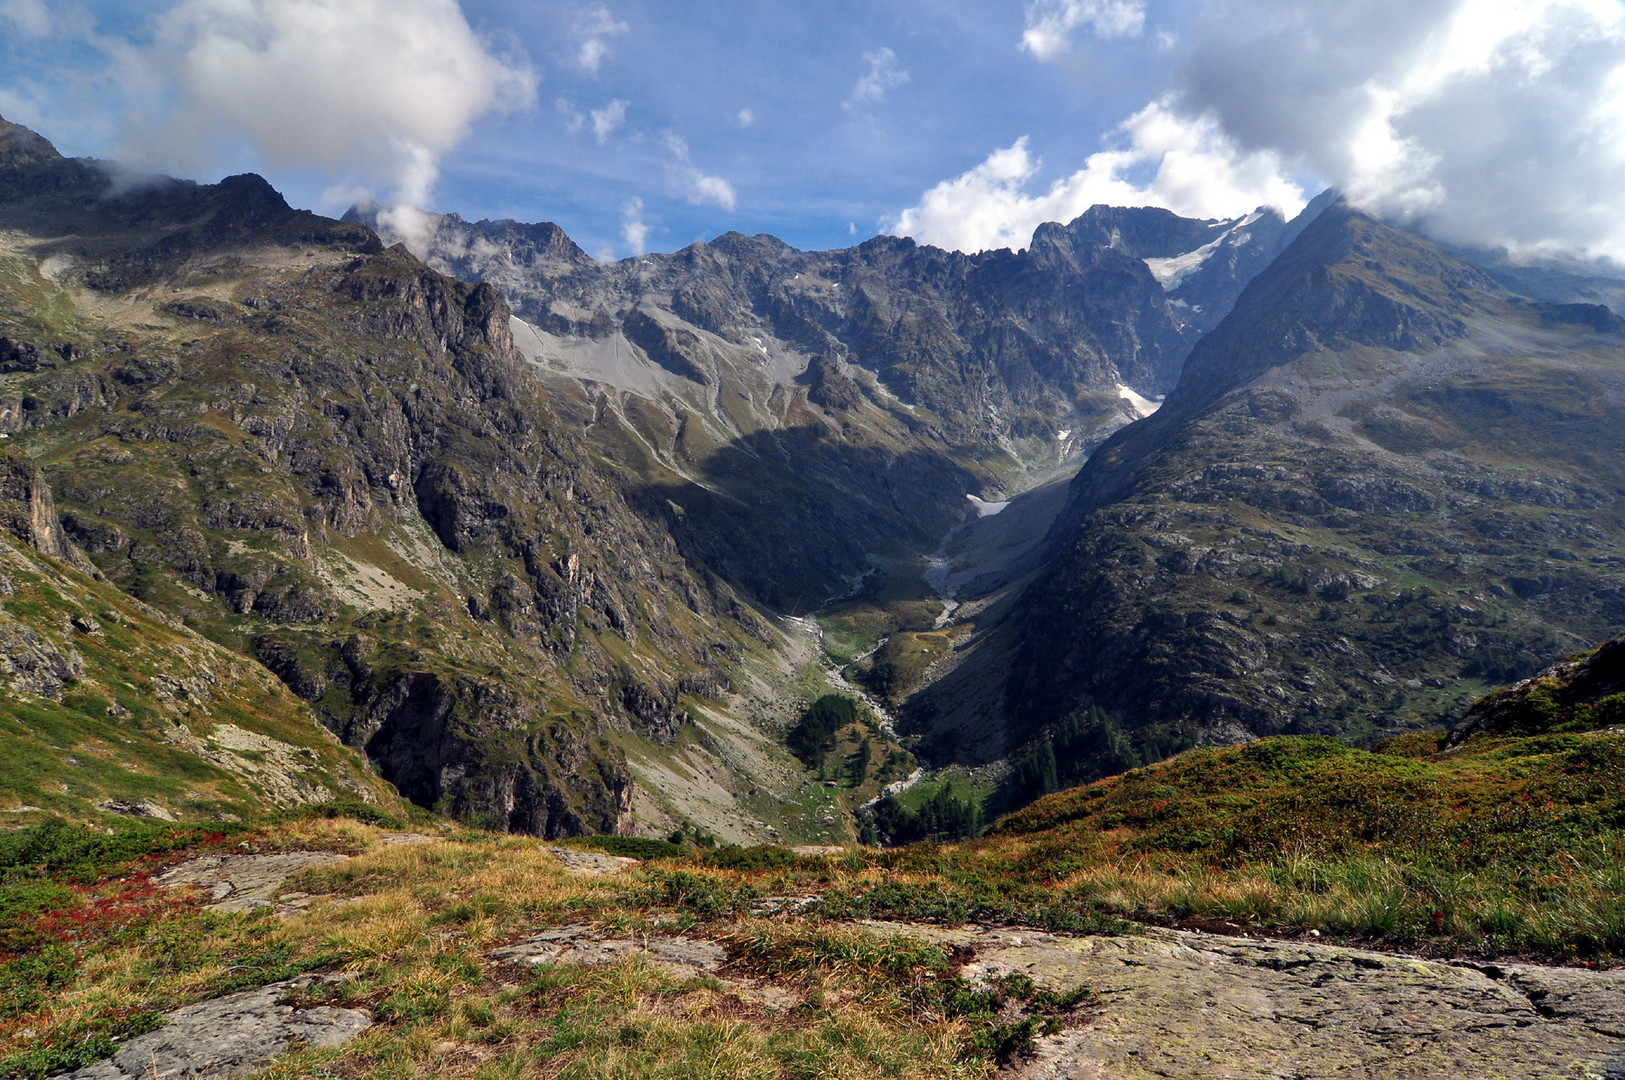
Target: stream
[836, 676]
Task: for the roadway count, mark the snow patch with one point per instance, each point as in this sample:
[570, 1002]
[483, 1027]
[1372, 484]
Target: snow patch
[1143, 406]
[1171, 271]
[1063, 435]
[985, 508]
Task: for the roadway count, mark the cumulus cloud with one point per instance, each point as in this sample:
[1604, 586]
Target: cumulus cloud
[1051, 23]
[883, 75]
[1192, 168]
[633, 228]
[371, 90]
[698, 187]
[1487, 121]
[594, 28]
[607, 119]
[746, 118]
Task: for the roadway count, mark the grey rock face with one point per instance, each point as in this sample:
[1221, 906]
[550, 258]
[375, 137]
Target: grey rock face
[142, 808]
[27, 510]
[33, 665]
[685, 957]
[230, 1036]
[247, 882]
[589, 863]
[1188, 1006]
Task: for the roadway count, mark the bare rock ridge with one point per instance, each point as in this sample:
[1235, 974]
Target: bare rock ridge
[1383, 485]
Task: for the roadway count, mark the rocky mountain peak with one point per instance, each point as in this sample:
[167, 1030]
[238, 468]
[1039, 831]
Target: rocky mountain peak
[1143, 232]
[22, 149]
[1346, 280]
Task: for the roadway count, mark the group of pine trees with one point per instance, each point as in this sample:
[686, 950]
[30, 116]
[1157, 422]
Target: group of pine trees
[813, 737]
[1085, 747]
[943, 817]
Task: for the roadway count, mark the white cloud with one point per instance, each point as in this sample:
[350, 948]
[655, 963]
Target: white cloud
[607, 119]
[1194, 169]
[746, 118]
[574, 119]
[698, 187]
[1050, 23]
[633, 228]
[374, 91]
[594, 28]
[1487, 121]
[27, 18]
[883, 75]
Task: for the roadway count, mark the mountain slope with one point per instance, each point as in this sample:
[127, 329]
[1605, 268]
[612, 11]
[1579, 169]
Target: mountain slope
[328, 456]
[113, 708]
[1382, 485]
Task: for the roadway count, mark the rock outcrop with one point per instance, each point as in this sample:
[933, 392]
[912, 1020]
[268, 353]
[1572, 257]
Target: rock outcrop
[1535, 704]
[28, 512]
[1178, 1004]
[236, 1035]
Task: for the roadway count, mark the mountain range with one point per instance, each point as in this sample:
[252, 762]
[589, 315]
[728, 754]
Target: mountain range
[563, 546]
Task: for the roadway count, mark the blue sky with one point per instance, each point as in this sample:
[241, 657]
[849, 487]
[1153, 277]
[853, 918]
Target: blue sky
[763, 95]
[650, 125]
[813, 164]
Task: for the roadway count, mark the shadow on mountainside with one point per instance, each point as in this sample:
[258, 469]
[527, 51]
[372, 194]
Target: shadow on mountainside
[792, 517]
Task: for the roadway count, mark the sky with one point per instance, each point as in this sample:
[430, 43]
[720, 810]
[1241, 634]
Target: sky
[965, 123]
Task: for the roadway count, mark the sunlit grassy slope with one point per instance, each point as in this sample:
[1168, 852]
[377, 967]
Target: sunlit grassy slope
[1506, 845]
[105, 701]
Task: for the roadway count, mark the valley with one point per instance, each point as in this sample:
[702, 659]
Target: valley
[491, 661]
[572, 544]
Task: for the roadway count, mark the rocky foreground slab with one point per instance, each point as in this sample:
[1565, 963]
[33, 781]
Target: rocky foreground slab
[1164, 1003]
[1189, 1005]
[229, 1036]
